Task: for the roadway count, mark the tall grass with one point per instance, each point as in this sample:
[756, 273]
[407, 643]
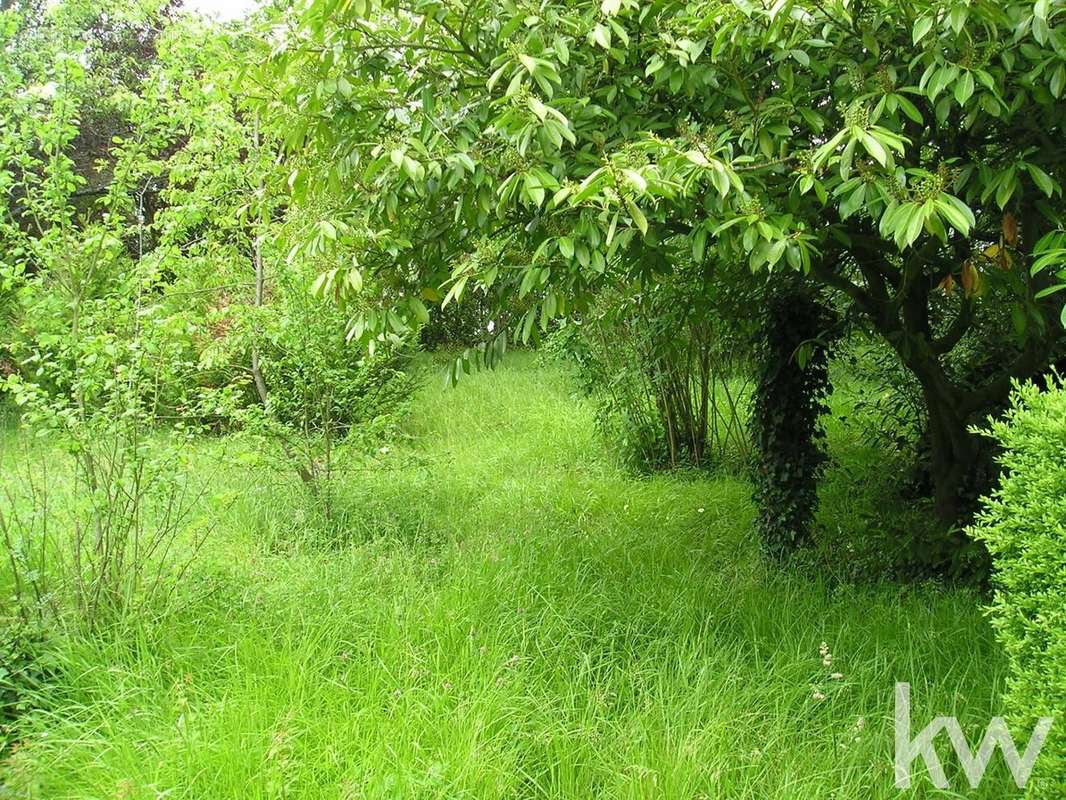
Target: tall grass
[502, 613]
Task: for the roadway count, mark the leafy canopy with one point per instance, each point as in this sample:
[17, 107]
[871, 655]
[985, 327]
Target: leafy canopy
[540, 150]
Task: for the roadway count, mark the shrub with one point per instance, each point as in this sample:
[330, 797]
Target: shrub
[27, 669]
[319, 383]
[317, 402]
[121, 537]
[1023, 523]
[667, 368]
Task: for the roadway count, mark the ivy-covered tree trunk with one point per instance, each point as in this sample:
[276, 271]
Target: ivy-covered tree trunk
[790, 398]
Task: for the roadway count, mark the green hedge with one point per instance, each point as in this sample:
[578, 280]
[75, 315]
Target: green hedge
[1024, 525]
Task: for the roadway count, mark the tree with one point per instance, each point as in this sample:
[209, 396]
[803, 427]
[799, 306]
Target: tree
[902, 153]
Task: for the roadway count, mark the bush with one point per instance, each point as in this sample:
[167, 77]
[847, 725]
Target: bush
[113, 534]
[1023, 523]
[669, 374]
[27, 670]
[318, 402]
[319, 383]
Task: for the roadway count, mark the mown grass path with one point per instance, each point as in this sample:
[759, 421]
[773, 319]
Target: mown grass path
[501, 613]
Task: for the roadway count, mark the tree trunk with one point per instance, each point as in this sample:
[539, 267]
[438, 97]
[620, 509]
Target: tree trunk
[954, 450]
[953, 453]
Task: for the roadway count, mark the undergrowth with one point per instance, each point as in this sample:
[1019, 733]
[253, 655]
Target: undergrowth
[505, 613]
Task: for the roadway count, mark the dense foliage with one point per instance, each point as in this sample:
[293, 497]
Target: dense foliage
[148, 292]
[1024, 525]
[896, 152]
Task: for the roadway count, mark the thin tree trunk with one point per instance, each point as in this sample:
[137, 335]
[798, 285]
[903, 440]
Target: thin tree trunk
[257, 261]
[306, 475]
[257, 371]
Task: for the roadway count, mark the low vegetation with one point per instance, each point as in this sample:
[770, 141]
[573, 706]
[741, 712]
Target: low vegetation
[574, 632]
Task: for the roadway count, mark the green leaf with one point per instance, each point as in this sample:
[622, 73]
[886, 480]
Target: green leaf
[1058, 80]
[956, 212]
[588, 187]
[922, 27]
[538, 107]
[636, 180]
[528, 62]
[964, 88]
[322, 283]
[827, 149]
[766, 143]
[420, 311]
[456, 292]
[601, 35]
[413, 169]
[562, 50]
[638, 216]
[846, 159]
[1006, 188]
[909, 109]
[875, 148]
[697, 158]
[1049, 291]
[699, 244]
[495, 77]
[1042, 180]
[853, 202]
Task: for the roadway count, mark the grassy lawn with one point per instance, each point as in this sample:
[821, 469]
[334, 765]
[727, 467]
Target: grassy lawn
[499, 612]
